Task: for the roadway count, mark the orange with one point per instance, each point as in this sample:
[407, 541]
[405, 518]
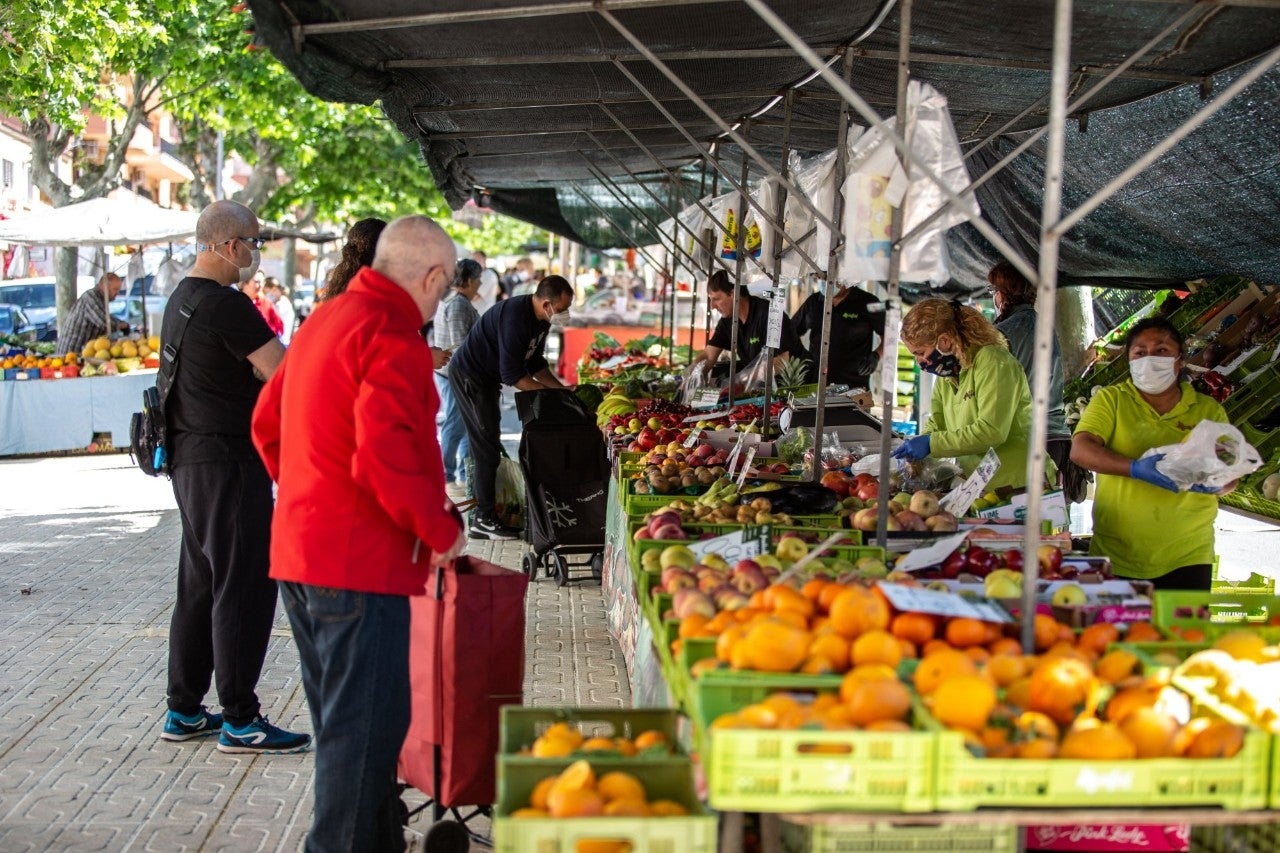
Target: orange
[933, 646]
[964, 702]
[603, 845]
[888, 726]
[963, 632]
[692, 625]
[1116, 666]
[624, 746]
[871, 701]
[877, 646]
[596, 744]
[1130, 699]
[1142, 632]
[1061, 687]
[667, 808]
[773, 646]
[1152, 732]
[908, 649]
[538, 799]
[940, 666]
[833, 647]
[978, 654]
[1103, 742]
[1046, 631]
[566, 731]
[1005, 646]
[1037, 748]
[1006, 669]
[626, 808]
[1219, 739]
[528, 812]
[782, 703]
[719, 622]
[1018, 694]
[1032, 725]
[794, 618]
[698, 667]
[817, 665]
[812, 589]
[651, 738]
[822, 702]
[575, 802]
[553, 747]
[781, 597]
[918, 628]
[727, 640]
[857, 610]
[617, 785]
[1097, 637]
[829, 594]
[864, 675]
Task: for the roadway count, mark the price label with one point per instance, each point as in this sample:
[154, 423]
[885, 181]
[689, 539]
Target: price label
[707, 398]
[611, 363]
[746, 466]
[707, 416]
[777, 310]
[932, 554]
[784, 418]
[738, 545]
[692, 439]
[889, 362]
[960, 500]
[733, 455]
[905, 598]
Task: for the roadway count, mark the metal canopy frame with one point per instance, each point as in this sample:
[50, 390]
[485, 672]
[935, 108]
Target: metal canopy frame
[1054, 224]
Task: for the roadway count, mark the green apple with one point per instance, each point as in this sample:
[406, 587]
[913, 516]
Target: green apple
[791, 548]
[871, 568]
[677, 555]
[715, 561]
[1070, 595]
[769, 561]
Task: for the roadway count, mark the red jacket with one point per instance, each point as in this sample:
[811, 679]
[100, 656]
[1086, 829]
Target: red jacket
[347, 428]
[269, 313]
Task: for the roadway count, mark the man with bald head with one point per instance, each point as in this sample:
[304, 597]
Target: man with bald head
[347, 428]
[226, 602]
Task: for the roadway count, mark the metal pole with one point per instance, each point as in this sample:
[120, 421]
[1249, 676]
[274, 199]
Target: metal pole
[693, 267]
[833, 269]
[711, 246]
[675, 246]
[780, 215]
[1042, 361]
[888, 391]
[740, 238]
[855, 100]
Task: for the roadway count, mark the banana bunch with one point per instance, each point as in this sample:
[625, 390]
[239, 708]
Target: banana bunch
[616, 402]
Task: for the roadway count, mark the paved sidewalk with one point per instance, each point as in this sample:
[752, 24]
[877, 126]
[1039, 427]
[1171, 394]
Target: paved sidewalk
[87, 553]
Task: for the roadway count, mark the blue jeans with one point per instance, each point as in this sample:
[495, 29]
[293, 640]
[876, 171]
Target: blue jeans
[354, 648]
[454, 444]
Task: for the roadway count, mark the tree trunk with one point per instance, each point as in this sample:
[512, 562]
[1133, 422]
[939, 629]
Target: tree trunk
[1075, 328]
[66, 269]
[290, 266]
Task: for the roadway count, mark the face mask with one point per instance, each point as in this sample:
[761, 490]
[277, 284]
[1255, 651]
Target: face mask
[560, 318]
[941, 364]
[1153, 373]
[246, 273]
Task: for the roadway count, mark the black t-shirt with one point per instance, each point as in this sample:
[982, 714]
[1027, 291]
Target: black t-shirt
[210, 404]
[504, 345]
[851, 358]
[754, 331]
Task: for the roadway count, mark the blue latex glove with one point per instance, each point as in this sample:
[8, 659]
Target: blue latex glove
[1203, 490]
[916, 447]
[1144, 469]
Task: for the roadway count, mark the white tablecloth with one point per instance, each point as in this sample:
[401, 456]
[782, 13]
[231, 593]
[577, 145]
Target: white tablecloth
[45, 415]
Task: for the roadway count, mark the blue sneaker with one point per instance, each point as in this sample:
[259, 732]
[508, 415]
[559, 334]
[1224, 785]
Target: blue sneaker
[261, 736]
[178, 727]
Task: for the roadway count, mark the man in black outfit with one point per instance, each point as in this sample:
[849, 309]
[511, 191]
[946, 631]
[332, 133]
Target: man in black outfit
[503, 348]
[855, 317]
[752, 314]
[226, 602]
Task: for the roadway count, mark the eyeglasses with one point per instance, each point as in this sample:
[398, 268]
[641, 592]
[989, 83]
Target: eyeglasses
[251, 242]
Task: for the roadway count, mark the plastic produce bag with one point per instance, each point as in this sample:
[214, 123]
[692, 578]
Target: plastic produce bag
[1213, 454]
[695, 379]
[508, 493]
[793, 443]
[928, 473]
[752, 376]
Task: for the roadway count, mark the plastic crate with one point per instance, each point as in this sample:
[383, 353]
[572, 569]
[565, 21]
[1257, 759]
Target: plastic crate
[671, 779]
[20, 374]
[966, 782]
[520, 726]
[898, 838]
[1251, 500]
[1217, 614]
[1255, 584]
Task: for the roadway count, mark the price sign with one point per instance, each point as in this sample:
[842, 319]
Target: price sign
[777, 310]
[707, 416]
[915, 599]
[738, 545]
[958, 502]
[692, 439]
[889, 362]
[746, 466]
[784, 418]
[931, 554]
[707, 398]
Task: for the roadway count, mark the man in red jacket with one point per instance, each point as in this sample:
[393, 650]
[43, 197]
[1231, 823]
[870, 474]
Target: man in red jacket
[347, 428]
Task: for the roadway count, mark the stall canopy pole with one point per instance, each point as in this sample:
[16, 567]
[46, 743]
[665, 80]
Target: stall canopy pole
[1035, 137]
[833, 271]
[856, 101]
[711, 239]
[693, 267]
[780, 215]
[889, 390]
[740, 256]
[1042, 361]
[675, 245]
[635, 81]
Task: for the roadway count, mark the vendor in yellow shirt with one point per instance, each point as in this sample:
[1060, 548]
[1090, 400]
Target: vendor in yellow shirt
[1148, 528]
[981, 399]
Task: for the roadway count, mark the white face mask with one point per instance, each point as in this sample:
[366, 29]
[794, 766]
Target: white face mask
[1153, 374]
[246, 273]
[560, 318]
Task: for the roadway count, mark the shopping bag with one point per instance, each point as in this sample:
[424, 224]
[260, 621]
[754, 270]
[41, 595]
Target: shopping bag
[466, 660]
[508, 493]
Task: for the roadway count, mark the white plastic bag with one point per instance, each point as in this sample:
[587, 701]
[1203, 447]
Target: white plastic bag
[508, 493]
[1213, 454]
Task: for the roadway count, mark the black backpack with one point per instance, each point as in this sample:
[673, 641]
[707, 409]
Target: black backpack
[148, 429]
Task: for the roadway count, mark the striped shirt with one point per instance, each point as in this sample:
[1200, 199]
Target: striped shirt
[454, 319]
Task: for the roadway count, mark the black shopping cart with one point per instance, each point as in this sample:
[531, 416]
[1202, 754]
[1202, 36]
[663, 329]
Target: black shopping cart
[566, 475]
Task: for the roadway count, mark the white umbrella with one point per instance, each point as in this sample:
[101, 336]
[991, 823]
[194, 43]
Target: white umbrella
[120, 221]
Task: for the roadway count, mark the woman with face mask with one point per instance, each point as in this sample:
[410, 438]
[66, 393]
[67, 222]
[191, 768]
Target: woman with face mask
[980, 398]
[1148, 528]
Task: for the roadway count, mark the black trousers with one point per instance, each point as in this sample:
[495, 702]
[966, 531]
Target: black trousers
[478, 401]
[226, 601]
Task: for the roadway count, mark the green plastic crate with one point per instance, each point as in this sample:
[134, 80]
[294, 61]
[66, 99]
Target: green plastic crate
[520, 726]
[1255, 584]
[1273, 790]
[1217, 614]
[898, 838]
[966, 782]
[671, 779]
[1251, 500]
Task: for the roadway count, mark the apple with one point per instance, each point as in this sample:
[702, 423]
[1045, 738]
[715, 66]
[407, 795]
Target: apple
[902, 498]
[634, 447]
[731, 599]
[864, 478]
[866, 519]
[1013, 559]
[674, 578]
[871, 568]
[924, 503]
[1001, 587]
[670, 531]
[749, 581]
[687, 602]
[955, 563]
[662, 519]
[910, 521]
[642, 533]
[654, 423]
[1070, 595]
[710, 580]
[791, 548]
[715, 561]
[867, 491]
[769, 562]
[650, 560]
[744, 565]
[678, 555]
[1050, 558]
[702, 451]
[634, 425]
[647, 438]
[943, 522]
[836, 482]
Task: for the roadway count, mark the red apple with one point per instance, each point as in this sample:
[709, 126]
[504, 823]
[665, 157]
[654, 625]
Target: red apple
[867, 491]
[836, 482]
[1050, 559]
[954, 565]
[1013, 559]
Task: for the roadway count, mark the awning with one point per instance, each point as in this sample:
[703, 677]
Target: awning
[116, 221]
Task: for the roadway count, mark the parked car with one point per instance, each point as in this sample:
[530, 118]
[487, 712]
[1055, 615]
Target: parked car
[304, 298]
[37, 297]
[127, 305]
[14, 323]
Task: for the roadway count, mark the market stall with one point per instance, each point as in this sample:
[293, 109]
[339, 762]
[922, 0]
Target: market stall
[46, 416]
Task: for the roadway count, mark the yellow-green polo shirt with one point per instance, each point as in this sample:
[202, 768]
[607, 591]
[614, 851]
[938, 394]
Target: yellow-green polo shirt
[987, 405]
[1145, 530]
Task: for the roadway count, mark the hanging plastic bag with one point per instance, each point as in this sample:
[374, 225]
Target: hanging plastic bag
[794, 443]
[1212, 455]
[508, 493]
[752, 376]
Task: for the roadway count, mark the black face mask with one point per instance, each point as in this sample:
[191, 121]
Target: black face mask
[941, 364]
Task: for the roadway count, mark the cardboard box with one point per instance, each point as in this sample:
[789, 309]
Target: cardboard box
[1053, 509]
[1161, 838]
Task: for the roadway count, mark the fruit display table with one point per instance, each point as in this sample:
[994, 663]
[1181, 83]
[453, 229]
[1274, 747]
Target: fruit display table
[46, 416]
